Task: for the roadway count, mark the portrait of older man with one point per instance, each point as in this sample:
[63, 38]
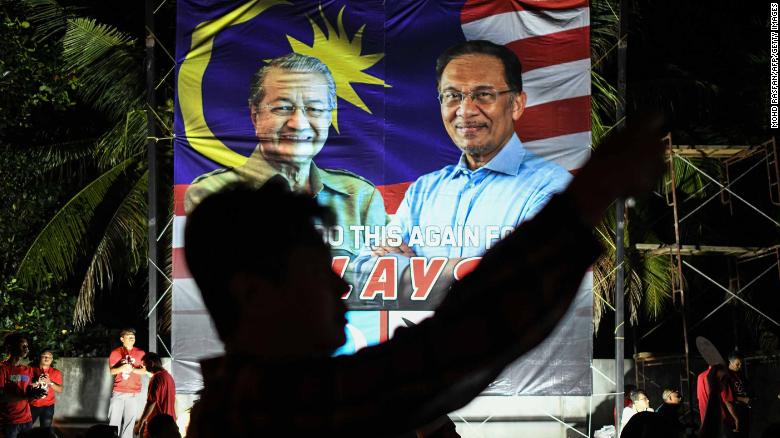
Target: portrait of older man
[497, 183]
[291, 102]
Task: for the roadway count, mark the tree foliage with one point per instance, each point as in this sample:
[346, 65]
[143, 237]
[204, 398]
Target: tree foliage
[98, 238]
[31, 78]
[39, 315]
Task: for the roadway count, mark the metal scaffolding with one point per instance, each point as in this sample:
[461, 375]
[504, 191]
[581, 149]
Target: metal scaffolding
[728, 157]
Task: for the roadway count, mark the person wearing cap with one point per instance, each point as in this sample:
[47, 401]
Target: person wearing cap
[125, 364]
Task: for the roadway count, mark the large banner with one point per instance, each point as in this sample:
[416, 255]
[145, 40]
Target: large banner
[343, 99]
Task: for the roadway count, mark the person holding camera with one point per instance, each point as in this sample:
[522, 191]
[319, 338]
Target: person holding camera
[50, 379]
[125, 364]
[17, 387]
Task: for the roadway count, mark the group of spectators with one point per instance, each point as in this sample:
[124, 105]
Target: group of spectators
[731, 392]
[27, 393]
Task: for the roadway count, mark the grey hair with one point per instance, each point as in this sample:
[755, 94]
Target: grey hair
[292, 62]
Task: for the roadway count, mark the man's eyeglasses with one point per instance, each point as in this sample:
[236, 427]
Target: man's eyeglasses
[312, 112]
[487, 96]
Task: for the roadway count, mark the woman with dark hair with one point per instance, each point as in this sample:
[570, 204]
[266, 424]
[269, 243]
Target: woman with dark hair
[161, 395]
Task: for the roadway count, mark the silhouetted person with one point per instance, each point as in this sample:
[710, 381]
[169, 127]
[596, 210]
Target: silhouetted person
[771, 431]
[39, 432]
[102, 431]
[162, 426]
[266, 278]
[670, 408]
[648, 424]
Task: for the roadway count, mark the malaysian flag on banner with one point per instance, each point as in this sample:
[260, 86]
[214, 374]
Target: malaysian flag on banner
[387, 128]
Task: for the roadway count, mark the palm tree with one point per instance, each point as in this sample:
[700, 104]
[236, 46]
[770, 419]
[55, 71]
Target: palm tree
[648, 279]
[99, 237]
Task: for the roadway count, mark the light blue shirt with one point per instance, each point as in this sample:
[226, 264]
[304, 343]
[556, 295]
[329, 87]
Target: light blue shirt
[477, 206]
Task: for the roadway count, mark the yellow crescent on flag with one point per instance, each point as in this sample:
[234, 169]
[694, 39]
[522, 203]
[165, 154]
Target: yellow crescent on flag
[190, 80]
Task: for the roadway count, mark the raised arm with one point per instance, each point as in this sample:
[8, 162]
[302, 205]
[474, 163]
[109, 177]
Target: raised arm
[512, 301]
[507, 306]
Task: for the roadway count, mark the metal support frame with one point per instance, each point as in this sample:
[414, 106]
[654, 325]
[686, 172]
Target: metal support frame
[151, 144]
[678, 292]
[730, 155]
[622, 56]
[773, 170]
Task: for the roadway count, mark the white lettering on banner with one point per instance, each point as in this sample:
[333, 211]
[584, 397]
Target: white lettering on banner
[429, 236]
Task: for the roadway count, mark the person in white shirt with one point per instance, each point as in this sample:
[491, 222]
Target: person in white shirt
[640, 403]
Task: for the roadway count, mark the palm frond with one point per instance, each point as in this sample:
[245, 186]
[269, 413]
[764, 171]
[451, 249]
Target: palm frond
[603, 28]
[690, 181]
[604, 101]
[656, 278]
[65, 158]
[604, 268]
[102, 56]
[57, 247]
[48, 18]
[119, 249]
[127, 138]
[633, 291]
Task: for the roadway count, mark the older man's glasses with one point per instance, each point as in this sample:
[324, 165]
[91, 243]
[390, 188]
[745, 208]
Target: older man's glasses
[482, 96]
[310, 111]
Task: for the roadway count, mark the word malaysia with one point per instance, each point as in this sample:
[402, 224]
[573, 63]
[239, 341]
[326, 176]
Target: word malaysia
[383, 279]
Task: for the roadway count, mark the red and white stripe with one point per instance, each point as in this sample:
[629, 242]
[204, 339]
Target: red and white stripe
[552, 40]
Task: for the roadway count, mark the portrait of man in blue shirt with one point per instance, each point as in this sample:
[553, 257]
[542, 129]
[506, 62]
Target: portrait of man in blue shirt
[497, 184]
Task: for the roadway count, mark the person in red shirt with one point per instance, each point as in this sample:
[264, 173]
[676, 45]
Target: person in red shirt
[727, 414]
[51, 379]
[161, 396]
[16, 387]
[739, 388]
[125, 364]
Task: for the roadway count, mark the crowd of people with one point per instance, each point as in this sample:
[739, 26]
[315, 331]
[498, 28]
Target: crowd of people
[731, 391]
[28, 393]
[29, 397]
